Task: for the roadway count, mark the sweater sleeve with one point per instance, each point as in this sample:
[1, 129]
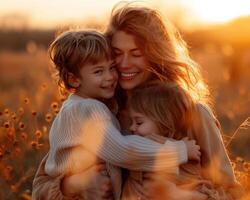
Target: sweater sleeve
[102, 138]
[215, 162]
[47, 188]
[90, 127]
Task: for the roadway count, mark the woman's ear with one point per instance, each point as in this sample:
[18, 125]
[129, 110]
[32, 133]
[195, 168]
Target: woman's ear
[74, 81]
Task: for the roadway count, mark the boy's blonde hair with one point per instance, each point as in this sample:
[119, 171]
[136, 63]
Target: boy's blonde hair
[72, 49]
[162, 46]
[167, 104]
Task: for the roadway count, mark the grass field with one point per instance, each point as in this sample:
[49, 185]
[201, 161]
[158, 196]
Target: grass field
[29, 100]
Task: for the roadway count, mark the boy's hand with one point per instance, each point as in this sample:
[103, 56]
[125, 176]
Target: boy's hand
[193, 150]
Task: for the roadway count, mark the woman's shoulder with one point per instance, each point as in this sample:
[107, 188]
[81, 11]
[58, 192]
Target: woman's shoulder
[206, 114]
[205, 109]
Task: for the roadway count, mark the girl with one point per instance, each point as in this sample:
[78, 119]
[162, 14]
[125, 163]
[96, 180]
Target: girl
[148, 48]
[164, 112]
[85, 128]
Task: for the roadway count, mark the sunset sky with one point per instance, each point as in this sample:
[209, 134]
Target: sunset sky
[48, 13]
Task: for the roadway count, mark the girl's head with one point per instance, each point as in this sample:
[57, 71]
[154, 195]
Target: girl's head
[160, 108]
[148, 47]
[84, 63]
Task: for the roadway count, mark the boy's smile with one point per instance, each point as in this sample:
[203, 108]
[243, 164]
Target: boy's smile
[98, 80]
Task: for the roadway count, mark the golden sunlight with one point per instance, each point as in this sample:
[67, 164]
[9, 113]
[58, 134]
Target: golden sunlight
[45, 14]
[218, 11]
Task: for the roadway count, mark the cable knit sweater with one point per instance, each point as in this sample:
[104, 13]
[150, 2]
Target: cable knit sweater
[85, 129]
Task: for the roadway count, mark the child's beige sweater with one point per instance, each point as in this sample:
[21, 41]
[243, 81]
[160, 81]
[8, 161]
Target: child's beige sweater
[84, 130]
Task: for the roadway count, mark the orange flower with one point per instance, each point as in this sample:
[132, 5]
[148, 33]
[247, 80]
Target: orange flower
[33, 112]
[54, 105]
[21, 126]
[38, 133]
[48, 117]
[7, 124]
[26, 100]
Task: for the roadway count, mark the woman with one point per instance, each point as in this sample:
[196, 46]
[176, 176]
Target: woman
[147, 48]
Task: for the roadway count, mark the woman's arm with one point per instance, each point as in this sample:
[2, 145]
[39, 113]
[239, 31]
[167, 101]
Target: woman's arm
[46, 188]
[214, 159]
[90, 183]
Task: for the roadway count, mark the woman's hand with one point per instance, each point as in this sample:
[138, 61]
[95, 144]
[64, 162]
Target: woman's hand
[157, 187]
[91, 184]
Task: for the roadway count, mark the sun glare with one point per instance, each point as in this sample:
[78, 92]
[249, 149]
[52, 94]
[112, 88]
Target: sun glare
[219, 11]
[48, 13]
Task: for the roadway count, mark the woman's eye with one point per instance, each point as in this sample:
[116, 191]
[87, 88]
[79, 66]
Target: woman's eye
[117, 53]
[137, 55]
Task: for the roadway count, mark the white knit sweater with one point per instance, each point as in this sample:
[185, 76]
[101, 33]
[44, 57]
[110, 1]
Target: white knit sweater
[85, 129]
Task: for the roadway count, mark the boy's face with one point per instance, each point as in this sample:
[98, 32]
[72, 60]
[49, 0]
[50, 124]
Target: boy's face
[98, 80]
[142, 125]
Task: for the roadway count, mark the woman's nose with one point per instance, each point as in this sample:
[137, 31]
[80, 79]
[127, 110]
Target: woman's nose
[123, 62]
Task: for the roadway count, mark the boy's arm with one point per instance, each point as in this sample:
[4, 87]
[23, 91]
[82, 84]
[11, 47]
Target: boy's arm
[102, 138]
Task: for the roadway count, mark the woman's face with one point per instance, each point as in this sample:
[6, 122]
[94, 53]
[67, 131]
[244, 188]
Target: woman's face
[131, 63]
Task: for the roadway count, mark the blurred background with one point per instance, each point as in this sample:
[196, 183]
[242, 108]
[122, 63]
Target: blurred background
[216, 31]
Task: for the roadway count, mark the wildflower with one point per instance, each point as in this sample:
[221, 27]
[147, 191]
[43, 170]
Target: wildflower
[39, 146]
[7, 124]
[24, 135]
[44, 86]
[246, 166]
[62, 99]
[17, 151]
[13, 116]
[9, 168]
[11, 134]
[48, 117]
[33, 144]
[56, 111]
[6, 111]
[38, 133]
[20, 110]
[26, 100]
[45, 129]
[54, 105]
[33, 112]
[21, 126]
[239, 159]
